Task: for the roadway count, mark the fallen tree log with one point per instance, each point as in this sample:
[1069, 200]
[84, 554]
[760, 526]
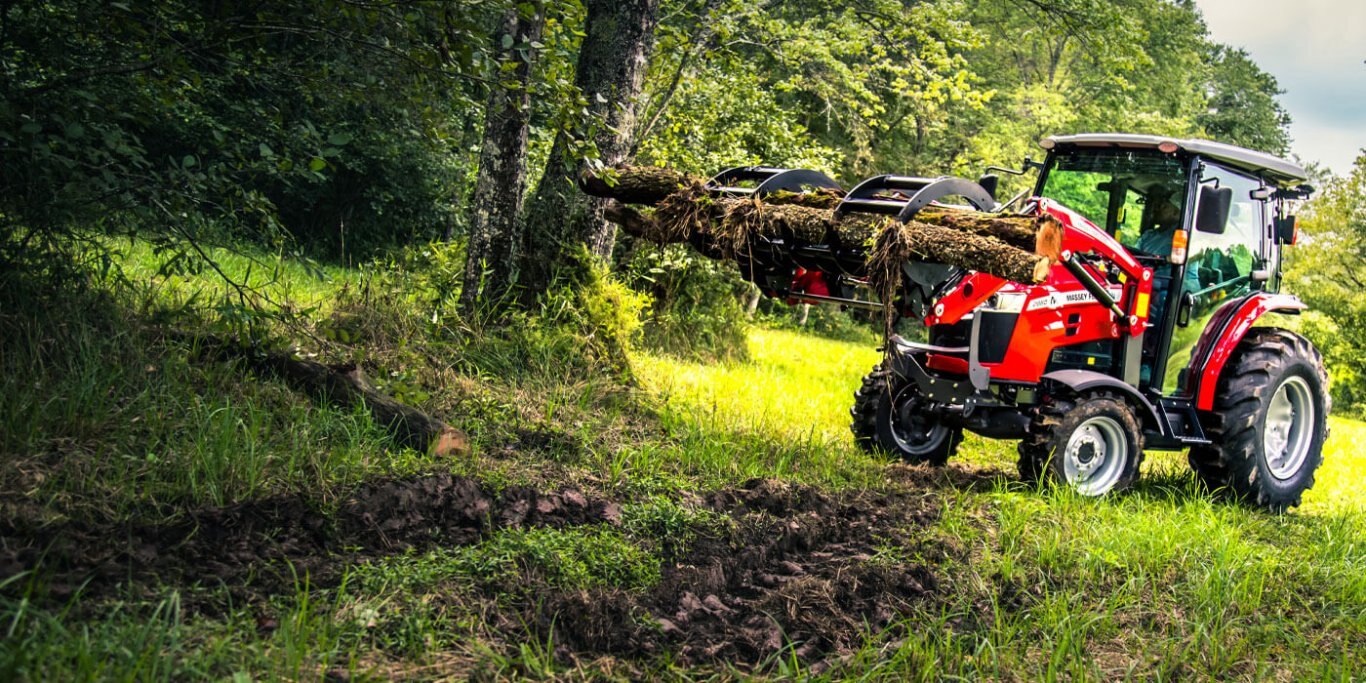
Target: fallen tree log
[344, 384]
[681, 196]
[728, 224]
[347, 385]
[637, 184]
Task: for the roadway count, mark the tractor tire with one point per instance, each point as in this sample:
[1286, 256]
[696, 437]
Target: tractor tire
[886, 420]
[1092, 443]
[1269, 423]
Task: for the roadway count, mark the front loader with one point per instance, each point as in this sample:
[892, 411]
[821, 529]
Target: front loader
[1147, 332]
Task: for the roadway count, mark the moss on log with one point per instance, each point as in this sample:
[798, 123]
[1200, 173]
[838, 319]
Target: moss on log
[637, 184]
[729, 224]
[684, 204]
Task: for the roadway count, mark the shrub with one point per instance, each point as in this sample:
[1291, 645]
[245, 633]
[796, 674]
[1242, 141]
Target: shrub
[697, 311]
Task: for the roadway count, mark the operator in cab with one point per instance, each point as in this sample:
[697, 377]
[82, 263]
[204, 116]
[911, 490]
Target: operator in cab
[1166, 219]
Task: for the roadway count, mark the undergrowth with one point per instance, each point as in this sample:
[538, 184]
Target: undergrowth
[105, 415]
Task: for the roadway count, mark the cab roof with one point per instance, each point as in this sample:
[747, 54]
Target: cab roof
[1273, 169]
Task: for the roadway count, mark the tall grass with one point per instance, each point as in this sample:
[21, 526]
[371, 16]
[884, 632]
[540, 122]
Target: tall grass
[102, 417]
[1165, 581]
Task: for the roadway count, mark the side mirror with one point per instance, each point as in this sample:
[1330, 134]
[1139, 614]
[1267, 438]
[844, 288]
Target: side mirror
[1212, 214]
[1287, 229]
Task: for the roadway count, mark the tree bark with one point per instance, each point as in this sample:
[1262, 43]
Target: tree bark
[619, 35]
[726, 225]
[495, 231]
[655, 186]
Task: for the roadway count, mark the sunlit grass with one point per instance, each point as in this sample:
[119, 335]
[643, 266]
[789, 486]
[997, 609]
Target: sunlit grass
[1163, 581]
[282, 279]
[794, 386]
[1341, 483]
[783, 413]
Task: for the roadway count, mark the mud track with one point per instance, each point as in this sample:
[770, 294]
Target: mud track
[266, 546]
[799, 569]
[795, 567]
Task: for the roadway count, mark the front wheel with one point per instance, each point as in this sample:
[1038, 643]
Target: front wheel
[890, 415]
[1269, 423]
[1091, 443]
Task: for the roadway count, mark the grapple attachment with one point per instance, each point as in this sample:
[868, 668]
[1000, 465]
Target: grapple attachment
[785, 267]
[758, 181]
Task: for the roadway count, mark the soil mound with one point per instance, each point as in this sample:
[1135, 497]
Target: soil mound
[799, 568]
[266, 544]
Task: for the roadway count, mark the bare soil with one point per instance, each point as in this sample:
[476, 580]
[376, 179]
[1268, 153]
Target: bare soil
[800, 568]
[262, 546]
[796, 567]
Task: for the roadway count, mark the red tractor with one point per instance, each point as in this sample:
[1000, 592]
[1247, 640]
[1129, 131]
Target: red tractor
[1147, 334]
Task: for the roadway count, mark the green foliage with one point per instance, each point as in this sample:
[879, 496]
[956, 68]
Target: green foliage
[1242, 105]
[725, 117]
[1137, 66]
[1326, 269]
[329, 121]
[695, 310]
[583, 326]
[809, 81]
[563, 558]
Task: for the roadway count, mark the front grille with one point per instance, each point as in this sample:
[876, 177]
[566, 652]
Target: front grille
[994, 340]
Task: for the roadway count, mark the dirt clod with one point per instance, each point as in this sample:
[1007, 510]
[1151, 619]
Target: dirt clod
[795, 569]
[261, 546]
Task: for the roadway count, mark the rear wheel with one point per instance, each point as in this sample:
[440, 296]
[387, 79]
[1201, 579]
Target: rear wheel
[1269, 423]
[1092, 444]
[890, 415]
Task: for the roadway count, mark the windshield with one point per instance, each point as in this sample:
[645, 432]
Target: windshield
[1138, 196]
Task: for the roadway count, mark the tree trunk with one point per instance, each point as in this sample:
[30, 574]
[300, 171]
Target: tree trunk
[495, 231]
[619, 35]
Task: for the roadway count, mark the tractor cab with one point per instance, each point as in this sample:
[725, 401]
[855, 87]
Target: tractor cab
[1203, 216]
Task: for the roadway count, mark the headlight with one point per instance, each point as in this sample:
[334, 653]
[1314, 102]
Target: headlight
[1009, 302]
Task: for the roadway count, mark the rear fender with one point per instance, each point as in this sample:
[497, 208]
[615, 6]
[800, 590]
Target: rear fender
[1081, 381]
[1223, 339]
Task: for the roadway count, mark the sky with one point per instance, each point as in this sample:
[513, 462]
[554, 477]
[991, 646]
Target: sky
[1316, 49]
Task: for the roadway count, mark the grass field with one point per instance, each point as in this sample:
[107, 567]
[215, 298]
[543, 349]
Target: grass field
[166, 517]
[1160, 582]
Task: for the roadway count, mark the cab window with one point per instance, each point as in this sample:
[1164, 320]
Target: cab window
[1218, 270]
[1129, 193]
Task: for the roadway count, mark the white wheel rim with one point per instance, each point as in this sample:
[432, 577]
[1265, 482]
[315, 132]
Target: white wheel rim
[1289, 428]
[1095, 456]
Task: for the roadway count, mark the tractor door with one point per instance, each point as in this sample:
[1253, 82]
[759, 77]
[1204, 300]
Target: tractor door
[1219, 266]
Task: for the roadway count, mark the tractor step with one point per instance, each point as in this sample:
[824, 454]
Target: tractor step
[1182, 421]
